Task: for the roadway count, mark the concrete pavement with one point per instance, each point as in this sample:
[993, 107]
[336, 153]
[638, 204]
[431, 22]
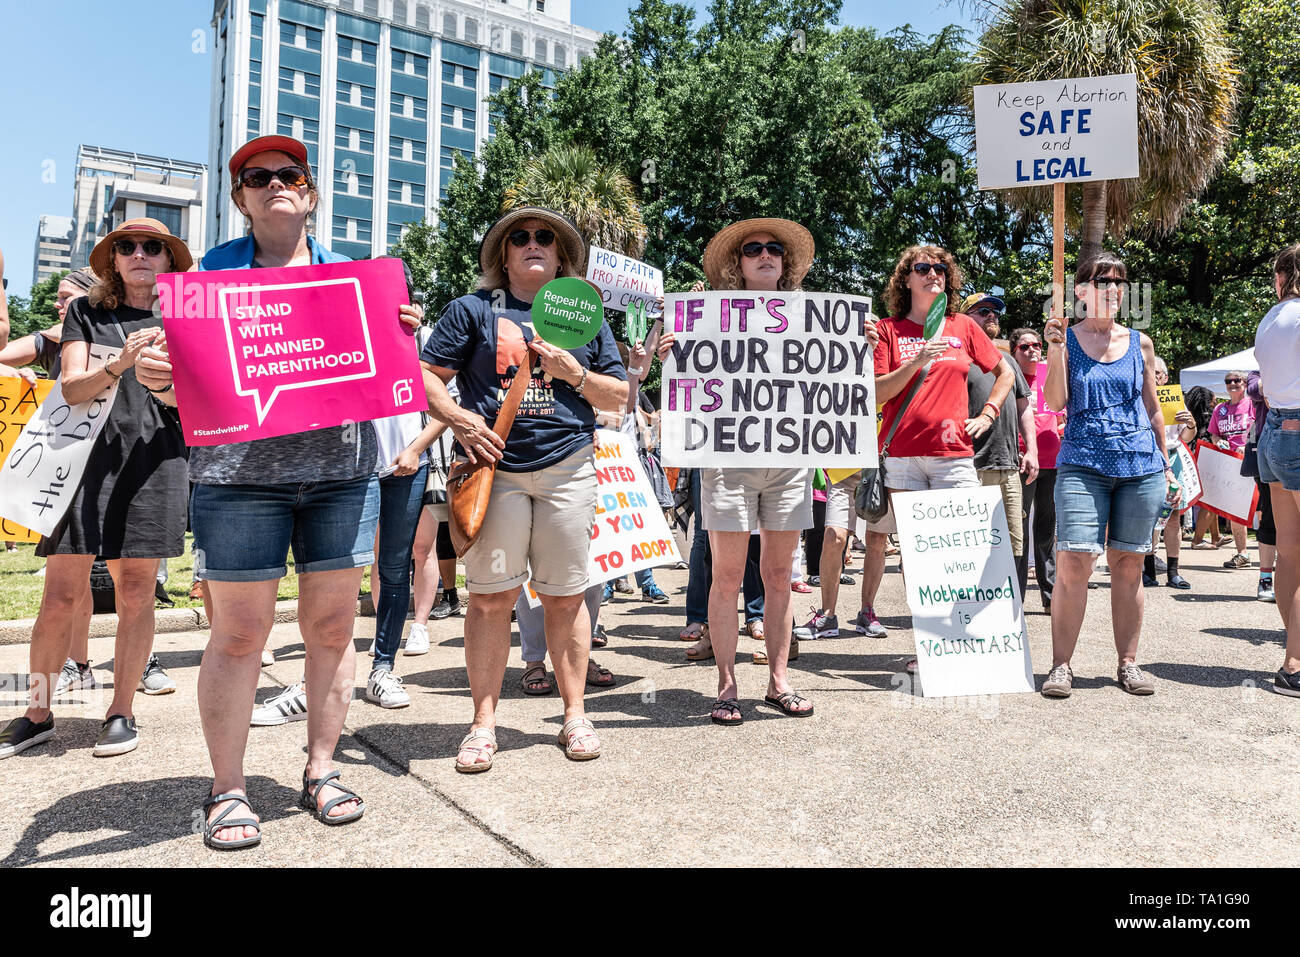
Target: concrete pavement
[1203, 772]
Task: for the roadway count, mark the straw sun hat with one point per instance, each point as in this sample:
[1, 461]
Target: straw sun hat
[565, 232]
[798, 243]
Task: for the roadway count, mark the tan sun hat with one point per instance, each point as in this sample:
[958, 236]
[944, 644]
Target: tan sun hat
[101, 255]
[564, 228]
[798, 243]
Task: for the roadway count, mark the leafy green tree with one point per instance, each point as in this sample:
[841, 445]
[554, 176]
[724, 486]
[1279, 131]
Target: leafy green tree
[28, 314]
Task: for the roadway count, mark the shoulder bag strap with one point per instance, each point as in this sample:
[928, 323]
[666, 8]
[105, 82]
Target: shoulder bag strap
[911, 393]
[523, 376]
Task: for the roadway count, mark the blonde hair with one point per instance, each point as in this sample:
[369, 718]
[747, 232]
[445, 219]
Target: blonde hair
[732, 277]
[109, 291]
[899, 298]
[494, 276]
[1287, 265]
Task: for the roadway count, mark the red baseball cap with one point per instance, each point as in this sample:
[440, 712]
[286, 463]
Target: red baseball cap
[280, 144]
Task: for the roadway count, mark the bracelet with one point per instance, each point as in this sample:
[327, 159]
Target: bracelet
[582, 383]
[159, 391]
[996, 410]
[111, 373]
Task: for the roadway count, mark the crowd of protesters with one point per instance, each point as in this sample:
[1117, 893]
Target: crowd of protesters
[1065, 422]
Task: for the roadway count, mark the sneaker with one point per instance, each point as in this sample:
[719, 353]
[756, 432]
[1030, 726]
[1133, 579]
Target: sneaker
[268, 657]
[856, 545]
[21, 734]
[654, 594]
[385, 689]
[1237, 561]
[622, 587]
[607, 594]
[73, 677]
[289, 705]
[445, 608]
[866, 623]
[1058, 683]
[682, 566]
[417, 642]
[1134, 680]
[814, 580]
[154, 680]
[117, 736]
[846, 579]
[1264, 592]
[820, 625]
[1283, 683]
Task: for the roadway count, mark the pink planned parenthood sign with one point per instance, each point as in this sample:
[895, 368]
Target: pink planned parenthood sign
[264, 352]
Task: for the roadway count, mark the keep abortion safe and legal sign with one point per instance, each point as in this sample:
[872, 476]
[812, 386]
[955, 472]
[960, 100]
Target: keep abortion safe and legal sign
[1056, 131]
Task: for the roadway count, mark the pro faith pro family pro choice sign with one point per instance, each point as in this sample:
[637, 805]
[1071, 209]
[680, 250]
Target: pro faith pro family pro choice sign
[1056, 131]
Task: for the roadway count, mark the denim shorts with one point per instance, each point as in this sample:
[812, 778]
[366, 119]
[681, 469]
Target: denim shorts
[1095, 511]
[1279, 451]
[242, 533]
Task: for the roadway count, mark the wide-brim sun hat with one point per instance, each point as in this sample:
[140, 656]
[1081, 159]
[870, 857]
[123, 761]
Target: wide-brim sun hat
[564, 228]
[798, 243]
[101, 256]
[268, 144]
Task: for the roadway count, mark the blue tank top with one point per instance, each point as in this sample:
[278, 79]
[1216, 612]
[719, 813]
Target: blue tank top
[1107, 428]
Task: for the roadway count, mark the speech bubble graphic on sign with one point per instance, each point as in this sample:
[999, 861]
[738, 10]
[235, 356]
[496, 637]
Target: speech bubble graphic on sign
[567, 312]
[278, 343]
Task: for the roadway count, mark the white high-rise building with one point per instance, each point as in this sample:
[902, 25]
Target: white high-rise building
[53, 247]
[383, 92]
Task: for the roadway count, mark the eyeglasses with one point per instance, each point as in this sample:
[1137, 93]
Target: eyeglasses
[255, 177]
[520, 237]
[924, 268]
[1233, 381]
[1102, 282]
[127, 247]
[1030, 346]
[988, 313]
[752, 250]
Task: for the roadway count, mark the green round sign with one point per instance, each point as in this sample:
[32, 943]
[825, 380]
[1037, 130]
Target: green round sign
[568, 312]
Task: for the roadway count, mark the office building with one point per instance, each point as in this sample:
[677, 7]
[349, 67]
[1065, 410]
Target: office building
[384, 93]
[53, 247]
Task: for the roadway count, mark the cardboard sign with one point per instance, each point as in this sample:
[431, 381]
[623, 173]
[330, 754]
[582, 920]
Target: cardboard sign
[18, 402]
[1224, 490]
[44, 467]
[1171, 401]
[622, 280]
[630, 532]
[1183, 464]
[967, 618]
[1056, 131]
[264, 352]
[785, 379]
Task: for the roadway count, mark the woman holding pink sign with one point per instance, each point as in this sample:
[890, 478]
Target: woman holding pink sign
[315, 491]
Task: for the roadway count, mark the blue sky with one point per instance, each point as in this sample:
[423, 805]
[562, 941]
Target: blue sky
[134, 75]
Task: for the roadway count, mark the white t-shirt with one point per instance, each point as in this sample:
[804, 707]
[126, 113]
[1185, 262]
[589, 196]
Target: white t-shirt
[1277, 350]
[395, 433]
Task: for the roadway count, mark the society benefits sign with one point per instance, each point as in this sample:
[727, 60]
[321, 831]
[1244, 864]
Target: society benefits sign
[1056, 131]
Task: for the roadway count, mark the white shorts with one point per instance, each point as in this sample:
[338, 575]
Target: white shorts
[917, 473]
[747, 500]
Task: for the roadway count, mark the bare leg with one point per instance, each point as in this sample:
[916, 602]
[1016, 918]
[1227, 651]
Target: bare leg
[775, 565]
[730, 550]
[1070, 601]
[133, 581]
[831, 568]
[426, 566]
[568, 640]
[487, 650]
[67, 581]
[1127, 601]
[1286, 515]
[1239, 537]
[873, 566]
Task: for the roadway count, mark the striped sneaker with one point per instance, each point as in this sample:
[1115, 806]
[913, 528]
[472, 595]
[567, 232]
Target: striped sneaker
[289, 705]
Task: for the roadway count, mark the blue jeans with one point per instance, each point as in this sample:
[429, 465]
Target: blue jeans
[1095, 511]
[399, 514]
[701, 574]
[1279, 451]
[244, 532]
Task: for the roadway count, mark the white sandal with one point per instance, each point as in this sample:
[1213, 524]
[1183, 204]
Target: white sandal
[577, 730]
[490, 748]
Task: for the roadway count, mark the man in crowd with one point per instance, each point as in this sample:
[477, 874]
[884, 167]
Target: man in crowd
[1045, 439]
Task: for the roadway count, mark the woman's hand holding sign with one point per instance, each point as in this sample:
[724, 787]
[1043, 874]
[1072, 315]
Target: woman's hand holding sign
[556, 362]
[153, 368]
[412, 316]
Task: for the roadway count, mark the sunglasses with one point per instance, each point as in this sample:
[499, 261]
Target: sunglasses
[924, 268]
[520, 237]
[1030, 346]
[254, 177]
[127, 247]
[752, 250]
[988, 313]
[1101, 282]
[1233, 381]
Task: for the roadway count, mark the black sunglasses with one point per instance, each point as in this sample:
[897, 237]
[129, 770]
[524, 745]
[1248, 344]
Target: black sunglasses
[255, 177]
[774, 249]
[924, 268]
[1030, 346]
[1233, 381]
[127, 247]
[1101, 282]
[520, 237]
[988, 313]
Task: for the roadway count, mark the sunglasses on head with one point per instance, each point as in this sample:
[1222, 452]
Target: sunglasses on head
[255, 177]
[1233, 381]
[1101, 282]
[127, 247]
[520, 237]
[774, 249]
[924, 268]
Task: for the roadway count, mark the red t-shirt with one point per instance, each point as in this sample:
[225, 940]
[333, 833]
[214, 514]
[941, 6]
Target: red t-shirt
[935, 423]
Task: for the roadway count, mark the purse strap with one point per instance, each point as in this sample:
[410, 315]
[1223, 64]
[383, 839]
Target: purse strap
[911, 393]
[510, 407]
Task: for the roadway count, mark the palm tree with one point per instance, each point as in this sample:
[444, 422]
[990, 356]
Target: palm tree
[1186, 93]
[600, 199]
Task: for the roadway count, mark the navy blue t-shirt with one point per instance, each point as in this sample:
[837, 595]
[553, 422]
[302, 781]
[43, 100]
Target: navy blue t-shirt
[485, 346]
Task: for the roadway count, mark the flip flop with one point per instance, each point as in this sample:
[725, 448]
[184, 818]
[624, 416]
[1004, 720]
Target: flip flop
[729, 705]
[786, 703]
[210, 828]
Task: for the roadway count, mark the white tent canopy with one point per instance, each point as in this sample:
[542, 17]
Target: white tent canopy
[1210, 374]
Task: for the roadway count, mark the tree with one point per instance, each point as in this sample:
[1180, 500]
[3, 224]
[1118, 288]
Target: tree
[35, 312]
[1180, 53]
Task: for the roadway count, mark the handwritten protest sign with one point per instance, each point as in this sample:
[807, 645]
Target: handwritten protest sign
[785, 379]
[630, 532]
[1183, 464]
[264, 352]
[1056, 131]
[18, 402]
[967, 618]
[44, 467]
[622, 280]
[1171, 401]
[1224, 490]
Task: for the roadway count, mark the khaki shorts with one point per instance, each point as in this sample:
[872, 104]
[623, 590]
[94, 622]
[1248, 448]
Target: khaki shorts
[748, 500]
[1012, 498]
[917, 473]
[839, 502]
[540, 519]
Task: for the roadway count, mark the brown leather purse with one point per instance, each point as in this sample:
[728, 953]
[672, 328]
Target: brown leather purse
[469, 486]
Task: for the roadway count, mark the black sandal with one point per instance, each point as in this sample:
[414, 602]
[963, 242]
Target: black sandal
[729, 705]
[311, 787]
[786, 703]
[210, 828]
